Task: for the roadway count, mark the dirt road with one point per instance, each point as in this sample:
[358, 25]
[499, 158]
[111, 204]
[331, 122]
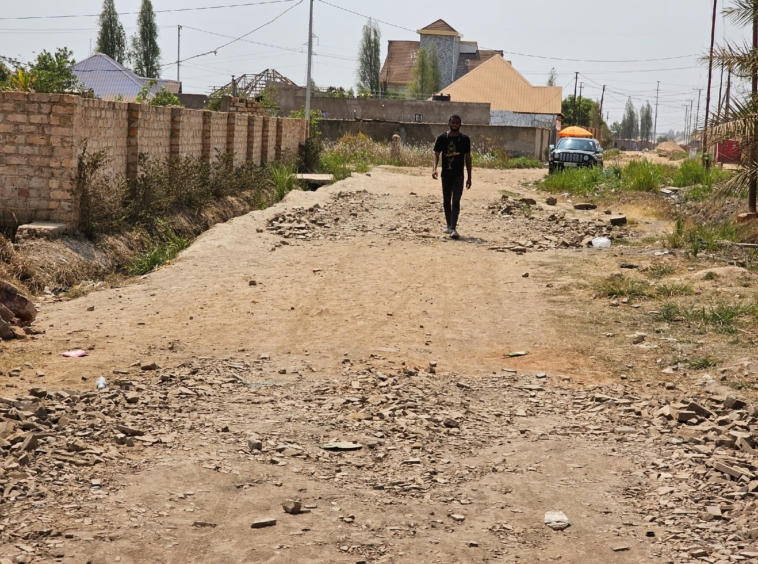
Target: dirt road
[345, 315]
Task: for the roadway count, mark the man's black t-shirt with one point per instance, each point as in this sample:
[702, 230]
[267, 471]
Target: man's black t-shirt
[454, 150]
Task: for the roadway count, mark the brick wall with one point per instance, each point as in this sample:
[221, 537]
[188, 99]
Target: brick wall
[237, 137]
[42, 137]
[217, 136]
[268, 139]
[255, 138]
[96, 124]
[187, 128]
[37, 164]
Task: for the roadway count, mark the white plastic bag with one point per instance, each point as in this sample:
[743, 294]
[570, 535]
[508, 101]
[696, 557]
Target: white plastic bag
[601, 243]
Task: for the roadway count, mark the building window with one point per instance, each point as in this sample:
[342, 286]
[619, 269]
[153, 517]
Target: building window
[419, 117]
[323, 115]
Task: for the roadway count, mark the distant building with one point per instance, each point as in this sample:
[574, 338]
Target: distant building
[457, 57]
[111, 81]
[512, 98]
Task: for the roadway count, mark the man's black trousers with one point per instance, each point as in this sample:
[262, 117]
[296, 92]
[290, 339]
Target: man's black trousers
[452, 190]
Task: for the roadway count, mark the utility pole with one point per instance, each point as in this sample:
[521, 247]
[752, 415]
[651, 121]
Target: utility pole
[689, 135]
[576, 82]
[600, 125]
[708, 93]
[178, 50]
[655, 127]
[579, 117]
[686, 123]
[754, 152]
[308, 89]
[697, 113]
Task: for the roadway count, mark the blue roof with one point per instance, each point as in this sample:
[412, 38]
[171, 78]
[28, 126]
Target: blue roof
[109, 79]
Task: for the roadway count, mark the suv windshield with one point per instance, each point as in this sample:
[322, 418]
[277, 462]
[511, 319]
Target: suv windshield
[574, 144]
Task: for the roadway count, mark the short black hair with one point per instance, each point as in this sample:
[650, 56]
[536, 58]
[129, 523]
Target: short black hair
[453, 117]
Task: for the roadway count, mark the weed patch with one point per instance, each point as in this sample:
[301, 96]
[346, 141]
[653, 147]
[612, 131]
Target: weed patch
[624, 287]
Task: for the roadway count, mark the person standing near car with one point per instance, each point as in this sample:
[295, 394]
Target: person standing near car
[455, 149]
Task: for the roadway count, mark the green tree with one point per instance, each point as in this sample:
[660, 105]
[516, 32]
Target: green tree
[630, 124]
[5, 76]
[616, 129]
[426, 74]
[646, 122]
[369, 58]
[552, 77]
[53, 73]
[741, 122]
[145, 54]
[584, 112]
[111, 38]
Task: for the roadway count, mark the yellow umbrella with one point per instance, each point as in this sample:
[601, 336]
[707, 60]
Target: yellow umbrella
[574, 131]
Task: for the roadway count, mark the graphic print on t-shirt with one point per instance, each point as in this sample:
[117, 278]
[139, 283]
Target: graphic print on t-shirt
[451, 153]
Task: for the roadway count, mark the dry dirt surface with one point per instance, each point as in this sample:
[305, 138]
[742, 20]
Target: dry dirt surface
[329, 381]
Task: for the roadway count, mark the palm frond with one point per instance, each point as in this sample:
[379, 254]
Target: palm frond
[742, 60]
[742, 12]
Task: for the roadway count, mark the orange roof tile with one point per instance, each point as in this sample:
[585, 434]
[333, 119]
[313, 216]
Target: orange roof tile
[496, 82]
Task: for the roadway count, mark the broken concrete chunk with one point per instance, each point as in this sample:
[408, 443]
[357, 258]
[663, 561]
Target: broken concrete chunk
[733, 403]
[292, 507]
[260, 524]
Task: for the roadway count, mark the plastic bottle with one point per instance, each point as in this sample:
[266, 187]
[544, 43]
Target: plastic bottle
[101, 383]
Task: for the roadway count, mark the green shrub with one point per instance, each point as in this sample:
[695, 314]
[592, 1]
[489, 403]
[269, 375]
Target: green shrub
[168, 244]
[284, 179]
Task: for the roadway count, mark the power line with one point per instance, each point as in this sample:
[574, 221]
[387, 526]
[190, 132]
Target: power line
[367, 17]
[240, 38]
[156, 11]
[596, 60]
[292, 49]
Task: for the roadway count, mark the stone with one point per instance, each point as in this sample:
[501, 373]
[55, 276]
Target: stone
[699, 410]
[618, 220]
[6, 331]
[684, 416]
[714, 510]
[149, 366]
[261, 523]
[458, 518]
[6, 314]
[620, 549]
[735, 473]
[730, 402]
[551, 201]
[525, 275]
[451, 423]
[12, 298]
[639, 338]
[292, 507]
[19, 333]
[132, 397]
[254, 444]
[585, 206]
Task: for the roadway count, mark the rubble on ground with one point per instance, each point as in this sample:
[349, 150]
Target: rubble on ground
[17, 312]
[694, 484]
[531, 226]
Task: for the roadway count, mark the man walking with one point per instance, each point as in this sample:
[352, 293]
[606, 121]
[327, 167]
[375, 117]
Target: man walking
[455, 148]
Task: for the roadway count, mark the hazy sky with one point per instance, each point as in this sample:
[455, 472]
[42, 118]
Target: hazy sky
[540, 31]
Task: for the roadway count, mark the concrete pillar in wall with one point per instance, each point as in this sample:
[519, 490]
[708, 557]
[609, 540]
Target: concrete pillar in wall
[176, 132]
[132, 142]
[279, 154]
[206, 153]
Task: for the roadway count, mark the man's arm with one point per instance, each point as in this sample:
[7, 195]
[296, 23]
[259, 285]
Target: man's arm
[436, 162]
[468, 169]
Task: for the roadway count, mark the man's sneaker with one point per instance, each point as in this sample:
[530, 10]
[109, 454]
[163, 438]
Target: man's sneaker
[454, 234]
[447, 230]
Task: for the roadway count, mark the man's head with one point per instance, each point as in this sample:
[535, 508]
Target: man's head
[455, 122]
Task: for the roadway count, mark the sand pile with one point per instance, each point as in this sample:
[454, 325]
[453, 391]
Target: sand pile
[667, 148]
